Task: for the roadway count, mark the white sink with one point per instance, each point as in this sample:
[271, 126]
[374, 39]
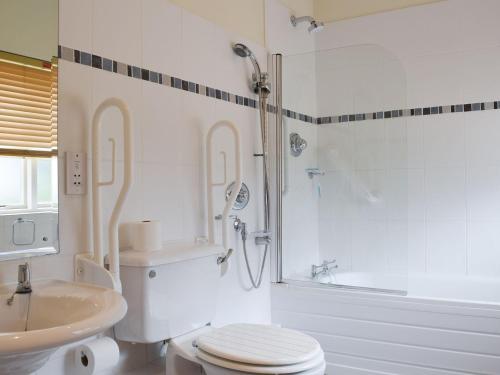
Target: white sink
[54, 314]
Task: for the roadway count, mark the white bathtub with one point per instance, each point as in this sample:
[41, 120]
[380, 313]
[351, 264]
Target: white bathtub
[457, 288]
[443, 326]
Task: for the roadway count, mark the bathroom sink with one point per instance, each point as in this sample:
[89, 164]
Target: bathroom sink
[54, 314]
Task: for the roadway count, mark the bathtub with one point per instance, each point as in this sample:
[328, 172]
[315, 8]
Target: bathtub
[434, 326]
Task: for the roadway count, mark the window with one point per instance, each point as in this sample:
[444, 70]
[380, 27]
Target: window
[31, 183]
[28, 133]
[28, 106]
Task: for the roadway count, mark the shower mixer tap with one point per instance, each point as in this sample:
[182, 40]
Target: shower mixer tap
[324, 267]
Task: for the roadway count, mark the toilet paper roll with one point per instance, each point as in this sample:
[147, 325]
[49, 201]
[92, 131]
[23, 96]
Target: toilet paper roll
[146, 235]
[96, 355]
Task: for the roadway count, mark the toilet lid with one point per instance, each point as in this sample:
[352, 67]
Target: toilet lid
[258, 344]
[308, 367]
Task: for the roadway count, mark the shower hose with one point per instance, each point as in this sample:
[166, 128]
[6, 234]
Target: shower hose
[257, 281]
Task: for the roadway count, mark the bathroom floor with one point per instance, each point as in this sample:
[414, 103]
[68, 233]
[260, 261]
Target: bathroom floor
[154, 368]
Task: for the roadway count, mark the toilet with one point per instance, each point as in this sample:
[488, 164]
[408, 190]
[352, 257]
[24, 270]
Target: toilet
[171, 296]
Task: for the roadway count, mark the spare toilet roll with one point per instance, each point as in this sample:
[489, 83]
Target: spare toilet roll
[146, 235]
[96, 355]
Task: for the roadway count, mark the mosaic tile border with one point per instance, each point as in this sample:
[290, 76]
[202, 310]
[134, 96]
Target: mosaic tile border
[409, 112]
[113, 66]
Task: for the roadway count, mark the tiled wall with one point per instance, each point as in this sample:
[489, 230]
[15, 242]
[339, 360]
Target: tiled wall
[169, 124]
[450, 54]
[168, 137]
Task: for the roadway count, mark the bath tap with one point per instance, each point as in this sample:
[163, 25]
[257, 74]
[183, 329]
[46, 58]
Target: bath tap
[23, 282]
[324, 268]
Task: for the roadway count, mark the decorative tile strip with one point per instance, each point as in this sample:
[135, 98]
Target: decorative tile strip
[113, 66]
[410, 112]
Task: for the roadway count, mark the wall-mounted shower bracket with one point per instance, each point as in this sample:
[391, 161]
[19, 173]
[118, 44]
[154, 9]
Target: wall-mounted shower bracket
[311, 172]
[314, 25]
[242, 198]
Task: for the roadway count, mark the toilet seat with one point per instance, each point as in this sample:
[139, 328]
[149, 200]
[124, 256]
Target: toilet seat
[259, 349]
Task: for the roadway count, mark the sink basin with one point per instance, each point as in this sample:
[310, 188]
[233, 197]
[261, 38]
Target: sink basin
[54, 314]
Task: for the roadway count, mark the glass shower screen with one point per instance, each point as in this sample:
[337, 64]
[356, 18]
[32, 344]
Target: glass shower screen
[345, 172]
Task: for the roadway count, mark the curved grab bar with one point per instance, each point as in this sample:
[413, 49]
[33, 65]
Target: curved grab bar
[113, 251]
[211, 184]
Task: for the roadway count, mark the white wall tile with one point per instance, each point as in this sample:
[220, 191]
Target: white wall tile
[337, 200]
[161, 124]
[396, 147]
[397, 247]
[483, 242]
[483, 193]
[445, 193]
[417, 262]
[161, 190]
[369, 194]
[336, 147]
[480, 87]
[444, 140]
[74, 111]
[482, 137]
[335, 241]
[446, 247]
[198, 114]
[415, 135]
[198, 36]
[75, 24]
[478, 25]
[432, 79]
[117, 30]
[369, 246]
[162, 37]
[370, 145]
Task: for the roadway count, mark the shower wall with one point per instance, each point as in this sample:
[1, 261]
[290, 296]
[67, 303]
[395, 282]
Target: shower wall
[363, 208]
[450, 55]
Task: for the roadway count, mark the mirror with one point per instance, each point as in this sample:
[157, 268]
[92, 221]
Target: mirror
[28, 128]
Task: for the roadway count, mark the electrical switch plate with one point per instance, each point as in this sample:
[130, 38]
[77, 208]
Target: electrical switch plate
[76, 173]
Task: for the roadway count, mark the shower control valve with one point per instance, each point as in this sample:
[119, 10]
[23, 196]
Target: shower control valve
[263, 238]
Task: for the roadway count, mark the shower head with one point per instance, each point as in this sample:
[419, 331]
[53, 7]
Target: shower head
[243, 51]
[314, 26]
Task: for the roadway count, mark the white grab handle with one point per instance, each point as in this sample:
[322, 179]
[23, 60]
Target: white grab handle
[210, 184]
[113, 251]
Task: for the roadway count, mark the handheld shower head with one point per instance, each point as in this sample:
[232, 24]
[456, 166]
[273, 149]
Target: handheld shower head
[243, 51]
[260, 83]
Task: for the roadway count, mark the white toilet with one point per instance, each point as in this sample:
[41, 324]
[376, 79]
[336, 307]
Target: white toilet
[171, 295]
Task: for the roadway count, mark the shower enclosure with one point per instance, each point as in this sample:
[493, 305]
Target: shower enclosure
[343, 171]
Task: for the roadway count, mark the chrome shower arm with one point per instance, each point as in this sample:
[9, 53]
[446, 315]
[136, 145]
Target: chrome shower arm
[297, 20]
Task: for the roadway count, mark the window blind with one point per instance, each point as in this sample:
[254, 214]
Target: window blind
[28, 109]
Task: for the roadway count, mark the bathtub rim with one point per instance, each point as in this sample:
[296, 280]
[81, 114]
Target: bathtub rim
[399, 301]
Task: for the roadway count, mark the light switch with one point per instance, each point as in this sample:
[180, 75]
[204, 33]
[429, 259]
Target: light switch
[76, 172]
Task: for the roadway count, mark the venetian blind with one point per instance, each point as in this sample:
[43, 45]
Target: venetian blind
[28, 110]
